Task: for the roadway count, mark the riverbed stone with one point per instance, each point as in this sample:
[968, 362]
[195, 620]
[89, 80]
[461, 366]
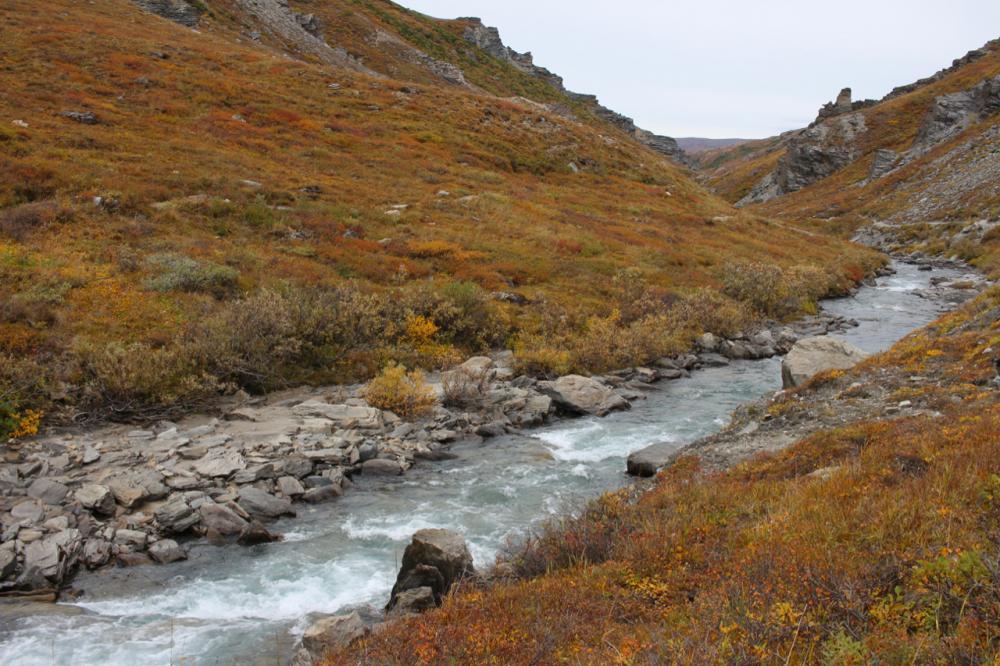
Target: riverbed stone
[322, 494]
[331, 632]
[289, 486]
[28, 511]
[176, 516]
[220, 520]
[134, 487]
[96, 552]
[412, 602]
[220, 462]
[263, 504]
[132, 538]
[166, 551]
[381, 467]
[648, 461]
[344, 416]
[48, 491]
[813, 355]
[583, 395]
[96, 497]
[8, 564]
[255, 534]
[297, 466]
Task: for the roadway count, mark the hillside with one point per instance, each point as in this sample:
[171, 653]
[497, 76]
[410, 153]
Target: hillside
[694, 145]
[279, 196]
[919, 165]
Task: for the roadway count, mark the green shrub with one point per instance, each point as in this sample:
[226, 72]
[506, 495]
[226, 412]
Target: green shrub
[177, 272]
[761, 286]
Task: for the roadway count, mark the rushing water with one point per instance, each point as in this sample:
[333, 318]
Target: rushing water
[247, 606]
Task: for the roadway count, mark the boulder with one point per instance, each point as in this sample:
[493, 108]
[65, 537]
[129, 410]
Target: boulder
[381, 467]
[220, 520]
[810, 356]
[648, 461]
[97, 498]
[413, 602]
[289, 486]
[331, 632]
[436, 559]
[8, 564]
[262, 504]
[29, 511]
[255, 533]
[583, 395]
[132, 538]
[96, 552]
[137, 486]
[220, 462]
[176, 516]
[322, 494]
[344, 416]
[48, 491]
[166, 551]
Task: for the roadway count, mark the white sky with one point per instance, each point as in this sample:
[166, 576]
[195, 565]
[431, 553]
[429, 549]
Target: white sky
[732, 68]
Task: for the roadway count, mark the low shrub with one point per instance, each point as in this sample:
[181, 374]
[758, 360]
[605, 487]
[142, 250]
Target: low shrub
[708, 311]
[464, 387]
[177, 272]
[20, 221]
[406, 394]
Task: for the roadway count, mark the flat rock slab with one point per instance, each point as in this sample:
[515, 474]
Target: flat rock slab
[345, 416]
[648, 461]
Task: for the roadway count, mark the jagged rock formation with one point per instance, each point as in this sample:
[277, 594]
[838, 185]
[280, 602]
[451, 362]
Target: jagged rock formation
[811, 155]
[301, 32]
[842, 105]
[174, 10]
[967, 59]
[954, 113]
[488, 39]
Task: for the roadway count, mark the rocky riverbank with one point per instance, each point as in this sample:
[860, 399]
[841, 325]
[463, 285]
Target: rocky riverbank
[123, 496]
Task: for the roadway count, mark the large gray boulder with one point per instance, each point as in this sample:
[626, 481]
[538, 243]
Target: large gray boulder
[263, 504]
[435, 559]
[811, 356]
[97, 498]
[221, 521]
[583, 395]
[48, 491]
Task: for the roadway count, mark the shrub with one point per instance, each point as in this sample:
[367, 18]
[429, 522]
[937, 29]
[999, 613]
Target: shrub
[761, 286]
[708, 311]
[137, 380]
[464, 387]
[18, 222]
[403, 393]
[180, 273]
[22, 392]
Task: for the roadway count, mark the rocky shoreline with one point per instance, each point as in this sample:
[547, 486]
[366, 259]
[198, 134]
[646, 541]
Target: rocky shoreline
[124, 496]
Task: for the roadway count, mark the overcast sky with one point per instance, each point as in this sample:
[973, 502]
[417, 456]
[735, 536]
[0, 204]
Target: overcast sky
[732, 68]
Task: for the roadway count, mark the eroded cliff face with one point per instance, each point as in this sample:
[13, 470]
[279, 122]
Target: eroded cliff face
[811, 155]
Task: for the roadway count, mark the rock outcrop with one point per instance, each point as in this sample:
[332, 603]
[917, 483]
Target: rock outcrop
[952, 114]
[488, 39]
[177, 11]
[811, 155]
[819, 354]
[433, 562]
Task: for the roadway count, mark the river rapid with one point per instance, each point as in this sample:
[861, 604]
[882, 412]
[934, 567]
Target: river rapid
[231, 605]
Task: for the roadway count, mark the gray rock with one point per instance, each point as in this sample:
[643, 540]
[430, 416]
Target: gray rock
[176, 516]
[90, 455]
[883, 162]
[954, 113]
[134, 538]
[367, 451]
[707, 342]
[82, 117]
[298, 466]
[322, 494]
[583, 395]
[413, 602]
[648, 461]
[220, 520]
[713, 360]
[96, 552]
[177, 11]
[8, 564]
[28, 512]
[263, 504]
[134, 487]
[166, 551]
[289, 486]
[220, 463]
[382, 467]
[255, 533]
[434, 558]
[344, 416]
[332, 632]
[48, 491]
[810, 356]
[97, 498]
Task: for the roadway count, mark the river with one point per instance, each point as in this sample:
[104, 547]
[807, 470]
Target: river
[229, 605]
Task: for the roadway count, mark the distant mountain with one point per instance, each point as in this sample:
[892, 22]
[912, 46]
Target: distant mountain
[695, 145]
